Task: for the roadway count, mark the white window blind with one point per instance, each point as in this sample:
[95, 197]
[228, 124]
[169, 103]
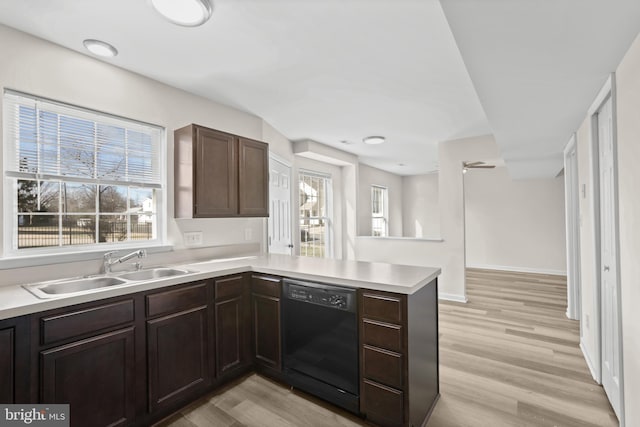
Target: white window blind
[50, 140]
[79, 177]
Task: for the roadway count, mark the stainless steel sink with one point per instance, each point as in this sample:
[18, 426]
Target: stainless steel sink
[153, 273]
[72, 286]
[85, 285]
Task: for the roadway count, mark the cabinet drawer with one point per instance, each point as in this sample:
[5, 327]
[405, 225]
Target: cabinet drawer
[266, 285]
[381, 306]
[382, 405]
[382, 366]
[229, 287]
[81, 322]
[182, 298]
[383, 335]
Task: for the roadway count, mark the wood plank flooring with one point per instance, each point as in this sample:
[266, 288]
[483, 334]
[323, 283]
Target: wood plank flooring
[509, 357]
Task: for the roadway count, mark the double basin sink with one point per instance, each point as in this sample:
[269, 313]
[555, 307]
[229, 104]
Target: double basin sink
[82, 285]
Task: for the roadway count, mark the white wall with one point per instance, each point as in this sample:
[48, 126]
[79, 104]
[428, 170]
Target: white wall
[514, 224]
[420, 206]
[41, 68]
[278, 143]
[413, 203]
[448, 254]
[628, 107]
[367, 177]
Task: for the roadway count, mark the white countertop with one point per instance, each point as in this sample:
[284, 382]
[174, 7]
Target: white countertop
[403, 279]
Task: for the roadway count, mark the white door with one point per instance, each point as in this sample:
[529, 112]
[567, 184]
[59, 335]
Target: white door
[609, 309]
[279, 238]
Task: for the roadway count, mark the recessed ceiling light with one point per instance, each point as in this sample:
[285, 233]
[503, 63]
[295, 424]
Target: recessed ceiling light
[100, 48]
[188, 13]
[373, 140]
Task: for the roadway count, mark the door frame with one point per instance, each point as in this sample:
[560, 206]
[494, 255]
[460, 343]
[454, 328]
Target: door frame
[608, 91]
[273, 157]
[572, 213]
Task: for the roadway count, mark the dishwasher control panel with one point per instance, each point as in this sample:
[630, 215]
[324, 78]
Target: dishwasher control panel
[319, 294]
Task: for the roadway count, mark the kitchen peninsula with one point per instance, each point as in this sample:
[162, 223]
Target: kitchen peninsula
[153, 346]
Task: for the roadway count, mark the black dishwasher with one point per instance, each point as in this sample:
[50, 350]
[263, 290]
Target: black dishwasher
[320, 341]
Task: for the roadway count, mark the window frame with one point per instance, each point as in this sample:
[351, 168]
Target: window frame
[328, 217]
[11, 177]
[385, 209]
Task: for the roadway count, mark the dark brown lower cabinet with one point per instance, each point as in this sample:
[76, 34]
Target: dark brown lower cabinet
[7, 365]
[265, 312]
[232, 325]
[95, 376]
[133, 360]
[178, 357]
[14, 357]
[179, 345]
[384, 405]
[398, 356]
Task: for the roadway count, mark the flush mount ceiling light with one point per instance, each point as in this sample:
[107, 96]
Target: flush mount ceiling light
[100, 48]
[188, 13]
[373, 140]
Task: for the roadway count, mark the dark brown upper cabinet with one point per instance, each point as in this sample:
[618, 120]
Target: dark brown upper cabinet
[253, 178]
[218, 174]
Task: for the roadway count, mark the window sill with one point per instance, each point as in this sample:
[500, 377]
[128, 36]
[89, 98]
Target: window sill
[49, 259]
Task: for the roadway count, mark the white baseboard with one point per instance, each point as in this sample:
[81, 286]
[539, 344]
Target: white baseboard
[452, 297]
[519, 269]
[590, 364]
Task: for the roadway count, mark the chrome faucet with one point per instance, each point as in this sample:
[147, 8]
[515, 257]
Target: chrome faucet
[109, 261]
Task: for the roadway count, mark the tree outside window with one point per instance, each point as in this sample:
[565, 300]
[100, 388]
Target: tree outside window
[82, 178]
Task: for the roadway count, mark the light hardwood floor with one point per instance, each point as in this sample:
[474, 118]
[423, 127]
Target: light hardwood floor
[509, 357]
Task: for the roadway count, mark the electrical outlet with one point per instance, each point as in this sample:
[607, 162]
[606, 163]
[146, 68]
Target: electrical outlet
[248, 234]
[192, 238]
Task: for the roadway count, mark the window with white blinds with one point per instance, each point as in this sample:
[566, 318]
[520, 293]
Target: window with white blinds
[79, 177]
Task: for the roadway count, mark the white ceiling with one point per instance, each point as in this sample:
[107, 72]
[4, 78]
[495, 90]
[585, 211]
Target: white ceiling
[537, 65]
[341, 70]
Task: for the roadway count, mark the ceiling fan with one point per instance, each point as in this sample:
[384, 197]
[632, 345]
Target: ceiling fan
[475, 165]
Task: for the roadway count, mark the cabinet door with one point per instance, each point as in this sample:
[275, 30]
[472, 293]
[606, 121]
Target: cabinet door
[253, 178]
[231, 335]
[7, 365]
[266, 323]
[95, 376]
[15, 372]
[178, 355]
[216, 174]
